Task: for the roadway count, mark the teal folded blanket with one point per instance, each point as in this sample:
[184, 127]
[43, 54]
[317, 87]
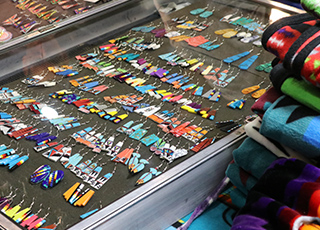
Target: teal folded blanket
[294, 125]
[253, 157]
[243, 180]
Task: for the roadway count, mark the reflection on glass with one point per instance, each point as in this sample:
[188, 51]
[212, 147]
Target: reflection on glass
[49, 112]
[276, 15]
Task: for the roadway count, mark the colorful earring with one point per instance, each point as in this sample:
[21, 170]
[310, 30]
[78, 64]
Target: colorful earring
[228, 125]
[53, 179]
[81, 166]
[40, 174]
[97, 184]
[236, 104]
[148, 176]
[77, 196]
[124, 156]
[51, 226]
[13, 210]
[93, 175]
[247, 63]
[237, 57]
[206, 14]
[251, 88]
[198, 11]
[85, 215]
[134, 160]
[137, 164]
[21, 215]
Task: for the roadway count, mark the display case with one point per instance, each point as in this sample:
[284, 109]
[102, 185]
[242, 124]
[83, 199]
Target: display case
[141, 61]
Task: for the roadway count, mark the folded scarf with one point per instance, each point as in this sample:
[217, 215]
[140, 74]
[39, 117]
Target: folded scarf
[281, 35]
[238, 198]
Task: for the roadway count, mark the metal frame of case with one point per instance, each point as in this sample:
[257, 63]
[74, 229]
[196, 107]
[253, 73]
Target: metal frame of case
[170, 196]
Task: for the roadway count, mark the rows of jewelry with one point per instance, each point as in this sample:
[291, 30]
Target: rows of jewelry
[25, 216]
[248, 23]
[97, 142]
[218, 75]
[179, 81]
[15, 128]
[192, 107]
[87, 170]
[251, 28]
[252, 35]
[117, 50]
[42, 11]
[154, 140]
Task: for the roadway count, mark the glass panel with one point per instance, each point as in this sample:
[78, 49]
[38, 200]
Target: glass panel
[25, 19]
[55, 60]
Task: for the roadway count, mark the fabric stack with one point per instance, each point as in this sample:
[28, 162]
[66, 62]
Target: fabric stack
[285, 197]
[276, 166]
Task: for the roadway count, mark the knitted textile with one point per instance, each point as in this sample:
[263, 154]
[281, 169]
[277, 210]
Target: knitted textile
[311, 6]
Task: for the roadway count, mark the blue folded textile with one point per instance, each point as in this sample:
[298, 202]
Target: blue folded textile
[243, 180]
[253, 157]
[294, 125]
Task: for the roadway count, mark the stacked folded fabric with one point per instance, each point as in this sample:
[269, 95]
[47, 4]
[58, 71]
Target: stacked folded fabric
[243, 180]
[265, 101]
[283, 148]
[294, 125]
[275, 167]
[287, 196]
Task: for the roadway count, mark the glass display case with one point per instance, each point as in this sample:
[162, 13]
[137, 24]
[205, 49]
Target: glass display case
[138, 104]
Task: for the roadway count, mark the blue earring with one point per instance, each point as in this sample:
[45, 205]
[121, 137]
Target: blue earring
[237, 57]
[247, 63]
